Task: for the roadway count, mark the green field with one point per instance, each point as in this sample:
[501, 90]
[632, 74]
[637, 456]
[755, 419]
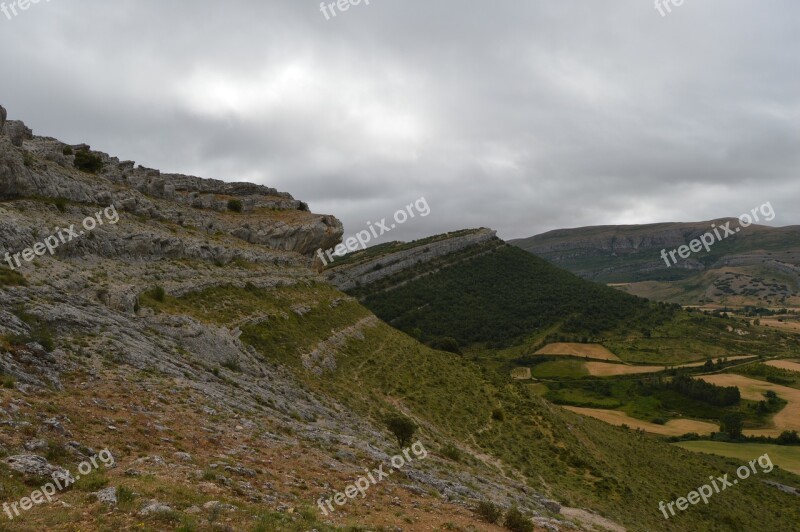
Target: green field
[559, 368]
[785, 456]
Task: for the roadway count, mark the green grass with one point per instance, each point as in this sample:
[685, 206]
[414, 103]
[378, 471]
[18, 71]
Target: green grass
[559, 368]
[580, 462]
[10, 277]
[787, 457]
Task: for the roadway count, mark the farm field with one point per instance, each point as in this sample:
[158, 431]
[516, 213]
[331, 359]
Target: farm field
[607, 369]
[786, 419]
[604, 369]
[788, 326]
[785, 456]
[595, 351]
[675, 427]
[784, 364]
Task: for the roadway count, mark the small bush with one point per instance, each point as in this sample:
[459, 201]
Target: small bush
[235, 205]
[158, 294]
[233, 365]
[517, 522]
[27, 159]
[488, 511]
[402, 427]
[451, 451]
[60, 203]
[88, 162]
[68, 150]
[498, 415]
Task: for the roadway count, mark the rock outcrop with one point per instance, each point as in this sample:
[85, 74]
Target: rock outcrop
[43, 167]
[348, 276]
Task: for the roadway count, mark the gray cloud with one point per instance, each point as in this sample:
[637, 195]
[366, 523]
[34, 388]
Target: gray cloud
[521, 116]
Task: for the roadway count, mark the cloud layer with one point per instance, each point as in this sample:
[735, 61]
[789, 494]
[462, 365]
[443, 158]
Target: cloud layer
[521, 116]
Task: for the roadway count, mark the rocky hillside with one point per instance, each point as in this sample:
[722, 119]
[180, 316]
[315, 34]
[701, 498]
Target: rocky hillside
[764, 260]
[176, 325]
[183, 330]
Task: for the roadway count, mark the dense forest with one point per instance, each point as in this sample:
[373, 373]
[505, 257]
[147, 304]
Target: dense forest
[502, 296]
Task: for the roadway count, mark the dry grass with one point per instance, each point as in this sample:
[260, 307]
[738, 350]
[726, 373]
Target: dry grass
[595, 351]
[602, 369]
[675, 427]
[784, 364]
[786, 419]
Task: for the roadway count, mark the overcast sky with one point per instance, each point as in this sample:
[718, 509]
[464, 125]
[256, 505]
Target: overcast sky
[523, 116]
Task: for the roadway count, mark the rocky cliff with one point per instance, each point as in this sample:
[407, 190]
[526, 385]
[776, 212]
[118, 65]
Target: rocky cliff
[44, 167]
[391, 262]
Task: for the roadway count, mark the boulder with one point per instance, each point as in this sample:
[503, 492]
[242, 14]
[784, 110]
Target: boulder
[3, 116]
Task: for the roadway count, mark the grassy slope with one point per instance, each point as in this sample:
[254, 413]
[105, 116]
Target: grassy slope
[578, 461]
[510, 297]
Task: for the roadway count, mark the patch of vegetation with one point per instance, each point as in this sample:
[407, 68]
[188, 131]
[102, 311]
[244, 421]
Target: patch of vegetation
[9, 277]
[516, 521]
[402, 427]
[235, 205]
[39, 332]
[488, 511]
[88, 162]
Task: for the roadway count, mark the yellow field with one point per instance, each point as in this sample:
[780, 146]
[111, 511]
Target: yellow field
[788, 326]
[595, 351]
[675, 427]
[785, 456]
[786, 419]
[784, 364]
[602, 369]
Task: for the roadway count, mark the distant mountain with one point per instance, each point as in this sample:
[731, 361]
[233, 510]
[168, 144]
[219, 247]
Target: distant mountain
[757, 266]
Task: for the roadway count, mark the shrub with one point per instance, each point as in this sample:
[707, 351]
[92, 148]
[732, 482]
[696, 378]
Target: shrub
[67, 150]
[488, 511]
[60, 203]
[446, 343]
[158, 294]
[451, 451]
[402, 427]
[235, 205]
[88, 162]
[517, 522]
[498, 415]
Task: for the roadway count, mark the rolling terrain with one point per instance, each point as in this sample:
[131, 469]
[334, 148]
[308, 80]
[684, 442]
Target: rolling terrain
[237, 388]
[759, 266]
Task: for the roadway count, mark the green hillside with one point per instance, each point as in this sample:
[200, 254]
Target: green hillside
[581, 462]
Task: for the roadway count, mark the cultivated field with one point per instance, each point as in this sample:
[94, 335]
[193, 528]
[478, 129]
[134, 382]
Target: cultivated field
[603, 369]
[675, 427]
[595, 351]
[785, 456]
[786, 419]
[784, 364]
